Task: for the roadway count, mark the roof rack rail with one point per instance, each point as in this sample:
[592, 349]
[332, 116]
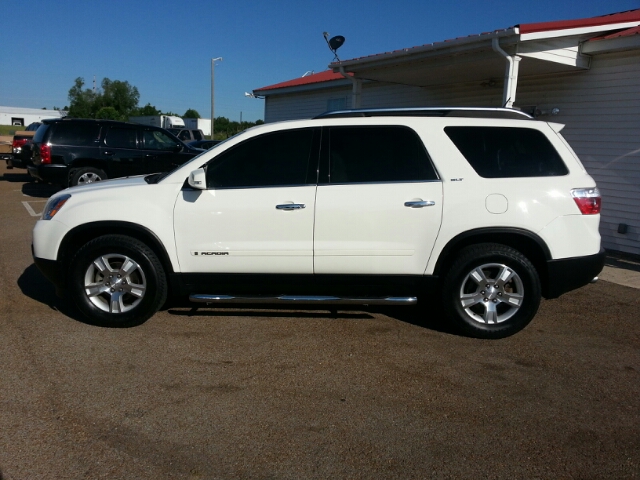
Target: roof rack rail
[468, 112]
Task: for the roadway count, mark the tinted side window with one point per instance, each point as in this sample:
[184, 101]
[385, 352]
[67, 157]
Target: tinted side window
[157, 140]
[76, 133]
[499, 152]
[273, 159]
[378, 154]
[119, 137]
[197, 135]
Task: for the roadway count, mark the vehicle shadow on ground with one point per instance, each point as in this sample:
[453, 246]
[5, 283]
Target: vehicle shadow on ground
[427, 314]
[624, 262]
[35, 286]
[39, 190]
[266, 311]
[30, 187]
[16, 177]
[431, 318]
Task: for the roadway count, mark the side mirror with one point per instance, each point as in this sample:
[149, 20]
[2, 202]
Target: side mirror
[198, 179]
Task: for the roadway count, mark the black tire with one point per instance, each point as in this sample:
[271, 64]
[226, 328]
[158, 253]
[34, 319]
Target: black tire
[491, 291]
[87, 175]
[117, 281]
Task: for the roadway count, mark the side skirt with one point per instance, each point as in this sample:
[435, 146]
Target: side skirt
[283, 288]
[307, 300]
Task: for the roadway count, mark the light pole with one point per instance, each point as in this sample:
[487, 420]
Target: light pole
[213, 61]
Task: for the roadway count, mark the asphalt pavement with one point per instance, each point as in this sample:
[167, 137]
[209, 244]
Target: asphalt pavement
[246, 393]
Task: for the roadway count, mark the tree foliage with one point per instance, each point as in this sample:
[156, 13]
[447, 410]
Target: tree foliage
[108, 113]
[225, 128]
[116, 100]
[191, 113]
[146, 111]
[81, 102]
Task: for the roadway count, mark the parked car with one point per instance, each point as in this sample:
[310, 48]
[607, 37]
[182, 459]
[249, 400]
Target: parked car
[187, 135]
[204, 144]
[485, 210]
[72, 152]
[21, 146]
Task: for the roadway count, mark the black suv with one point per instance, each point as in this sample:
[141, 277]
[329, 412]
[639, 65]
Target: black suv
[71, 152]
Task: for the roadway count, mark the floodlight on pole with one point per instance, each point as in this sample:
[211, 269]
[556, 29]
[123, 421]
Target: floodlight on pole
[213, 61]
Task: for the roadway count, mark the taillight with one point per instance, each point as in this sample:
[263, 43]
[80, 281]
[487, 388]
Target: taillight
[45, 153]
[588, 200]
[19, 142]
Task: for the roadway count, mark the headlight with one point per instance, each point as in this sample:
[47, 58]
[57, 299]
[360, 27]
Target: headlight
[54, 205]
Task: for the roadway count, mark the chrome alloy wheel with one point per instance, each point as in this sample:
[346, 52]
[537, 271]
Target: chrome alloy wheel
[88, 177]
[115, 283]
[491, 293]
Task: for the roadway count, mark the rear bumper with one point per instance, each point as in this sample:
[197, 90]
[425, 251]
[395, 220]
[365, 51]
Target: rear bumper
[16, 162]
[56, 174]
[567, 274]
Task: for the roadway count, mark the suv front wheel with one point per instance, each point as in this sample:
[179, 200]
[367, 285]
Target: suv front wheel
[491, 291]
[117, 281]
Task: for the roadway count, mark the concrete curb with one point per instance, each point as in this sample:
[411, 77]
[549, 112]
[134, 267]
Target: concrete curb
[622, 271]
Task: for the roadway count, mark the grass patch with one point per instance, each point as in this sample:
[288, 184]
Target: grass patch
[10, 129]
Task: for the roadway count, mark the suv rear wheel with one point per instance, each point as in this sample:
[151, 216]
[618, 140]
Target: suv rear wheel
[117, 281]
[491, 291]
[86, 175]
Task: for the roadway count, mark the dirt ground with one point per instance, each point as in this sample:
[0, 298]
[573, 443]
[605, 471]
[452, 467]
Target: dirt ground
[293, 394]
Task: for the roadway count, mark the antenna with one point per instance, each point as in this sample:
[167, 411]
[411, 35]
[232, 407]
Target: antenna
[334, 43]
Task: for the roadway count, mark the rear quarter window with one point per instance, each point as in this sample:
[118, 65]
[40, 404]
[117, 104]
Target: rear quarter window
[507, 152]
[40, 133]
[77, 134]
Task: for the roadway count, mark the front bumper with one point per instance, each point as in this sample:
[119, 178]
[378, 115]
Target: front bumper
[567, 274]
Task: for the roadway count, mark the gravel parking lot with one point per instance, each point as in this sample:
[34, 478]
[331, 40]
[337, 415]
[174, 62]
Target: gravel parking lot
[255, 393]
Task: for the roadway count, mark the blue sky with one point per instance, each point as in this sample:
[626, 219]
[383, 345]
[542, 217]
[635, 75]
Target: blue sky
[165, 48]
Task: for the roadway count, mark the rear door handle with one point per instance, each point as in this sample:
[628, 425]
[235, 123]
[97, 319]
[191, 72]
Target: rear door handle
[419, 203]
[290, 206]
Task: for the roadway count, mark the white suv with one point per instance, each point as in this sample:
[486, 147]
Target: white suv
[487, 207]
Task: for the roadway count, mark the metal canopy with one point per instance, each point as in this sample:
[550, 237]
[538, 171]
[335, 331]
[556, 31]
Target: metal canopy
[466, 63]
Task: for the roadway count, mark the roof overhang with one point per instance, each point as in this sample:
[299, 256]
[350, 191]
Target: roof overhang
[548, 48]
[544, 49]
[628, 39]
[471, 59]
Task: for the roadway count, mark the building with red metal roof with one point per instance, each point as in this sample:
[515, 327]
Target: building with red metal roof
[584, 73]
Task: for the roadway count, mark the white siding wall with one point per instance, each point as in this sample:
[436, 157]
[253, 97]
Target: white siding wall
[303, 105]
[601, 111]
[600, 108]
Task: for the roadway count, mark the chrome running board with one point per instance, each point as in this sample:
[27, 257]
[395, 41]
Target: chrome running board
[303, 299]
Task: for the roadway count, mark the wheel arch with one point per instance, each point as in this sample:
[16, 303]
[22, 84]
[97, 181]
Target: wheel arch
[87, 163]
[82, 234]
[525, 241]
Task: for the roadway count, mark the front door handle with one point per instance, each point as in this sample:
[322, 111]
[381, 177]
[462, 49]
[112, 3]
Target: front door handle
[290, 206]
[419, 203]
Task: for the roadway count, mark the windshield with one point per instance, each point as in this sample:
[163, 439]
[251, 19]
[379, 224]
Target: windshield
[157, 177]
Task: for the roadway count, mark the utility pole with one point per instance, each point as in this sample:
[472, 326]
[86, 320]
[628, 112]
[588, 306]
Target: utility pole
[213, 62]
